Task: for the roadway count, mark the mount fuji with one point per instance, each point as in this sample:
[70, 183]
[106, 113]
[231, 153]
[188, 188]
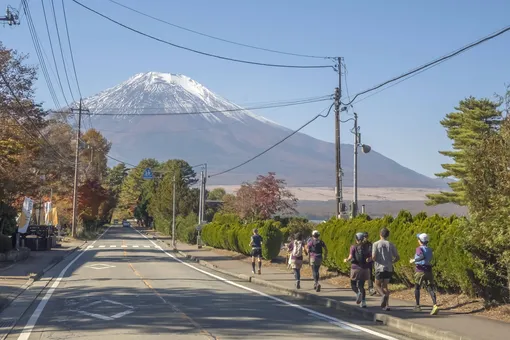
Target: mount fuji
[225, 135]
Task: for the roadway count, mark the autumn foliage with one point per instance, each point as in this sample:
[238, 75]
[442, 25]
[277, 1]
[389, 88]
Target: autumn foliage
[261, 200]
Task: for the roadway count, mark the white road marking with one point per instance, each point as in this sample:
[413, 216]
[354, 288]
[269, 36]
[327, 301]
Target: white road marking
[90, 247]
[124, 246]
[100, 266]
[113, 246]
[146, 246]
[135, 246]
[95, 315]
[102, 246]
[27, 330]
[305, 309]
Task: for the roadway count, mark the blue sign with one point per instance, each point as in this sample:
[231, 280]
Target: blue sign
[147, 174]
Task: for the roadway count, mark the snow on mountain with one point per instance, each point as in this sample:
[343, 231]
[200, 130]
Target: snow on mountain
[225, 136]
[155, 92]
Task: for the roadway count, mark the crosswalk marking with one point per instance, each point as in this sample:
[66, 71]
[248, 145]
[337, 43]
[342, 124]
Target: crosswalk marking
[123, 246]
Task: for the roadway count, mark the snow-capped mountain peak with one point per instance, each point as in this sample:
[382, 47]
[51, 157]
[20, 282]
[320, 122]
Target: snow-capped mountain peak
[157, 92]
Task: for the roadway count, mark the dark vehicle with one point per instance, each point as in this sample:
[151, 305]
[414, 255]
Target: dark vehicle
[125, 223]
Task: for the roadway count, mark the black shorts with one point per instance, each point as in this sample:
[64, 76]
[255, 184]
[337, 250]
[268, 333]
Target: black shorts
[379, 276]
[256, 252]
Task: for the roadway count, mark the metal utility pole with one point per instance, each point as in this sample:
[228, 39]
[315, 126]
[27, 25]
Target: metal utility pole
[201, 198]
[355, 171]
[338, 160]
[173, 213]
[11, 16]
[204, 192]
[76, 170]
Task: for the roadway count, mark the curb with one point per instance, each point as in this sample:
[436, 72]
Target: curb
[425, 332]
[32, 278]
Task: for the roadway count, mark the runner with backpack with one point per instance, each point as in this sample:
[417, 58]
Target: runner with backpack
[360, 257]
[297, 248]
[423, 275]
[318, 251]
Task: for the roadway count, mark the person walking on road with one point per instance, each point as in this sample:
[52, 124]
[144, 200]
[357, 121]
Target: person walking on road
[423, 275]
[256, 250]
[297, 248]
[360, 258]
[371, 290]
[318, 252]
[384, 255]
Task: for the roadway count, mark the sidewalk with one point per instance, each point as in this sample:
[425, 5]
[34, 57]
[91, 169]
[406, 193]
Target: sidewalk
[401, 316]
[16, 277]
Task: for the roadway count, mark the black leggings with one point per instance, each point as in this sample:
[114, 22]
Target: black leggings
[315, 271]
[430, 290]
[359, 287]
[297, 274]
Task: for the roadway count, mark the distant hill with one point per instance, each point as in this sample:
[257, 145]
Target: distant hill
[226, 135]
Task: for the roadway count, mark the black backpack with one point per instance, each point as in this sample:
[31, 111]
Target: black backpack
[316, 247]
[360, 253]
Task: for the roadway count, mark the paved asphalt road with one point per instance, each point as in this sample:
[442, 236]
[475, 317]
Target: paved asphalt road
[125, 286]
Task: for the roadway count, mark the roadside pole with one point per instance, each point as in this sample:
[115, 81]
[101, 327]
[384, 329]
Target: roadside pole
[173, 214]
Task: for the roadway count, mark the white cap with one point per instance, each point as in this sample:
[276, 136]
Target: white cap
[423, 237]
[315, 233]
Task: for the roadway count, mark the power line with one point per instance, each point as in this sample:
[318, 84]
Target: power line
[197, 51]
[39, 51]
[118, 160]
[434, 62]
[71, 49]
[61, 49]
[217, 38]
[274, 145]
[325, 98]
[53, 53]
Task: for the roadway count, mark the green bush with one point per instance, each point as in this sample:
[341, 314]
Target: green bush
[5, 243]
[185, 228]
[450, 261]
[227, 232]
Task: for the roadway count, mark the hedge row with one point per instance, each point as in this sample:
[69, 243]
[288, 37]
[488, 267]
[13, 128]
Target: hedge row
[452, 264]
[227, 232]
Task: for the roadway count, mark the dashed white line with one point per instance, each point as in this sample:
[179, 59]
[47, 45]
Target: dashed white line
[124, 246]
[102, 246]
[146, 246]
[27, 330]
[113, 246]
[135, 247]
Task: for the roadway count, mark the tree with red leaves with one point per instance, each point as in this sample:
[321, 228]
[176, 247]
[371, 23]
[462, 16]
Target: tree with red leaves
[262, 199]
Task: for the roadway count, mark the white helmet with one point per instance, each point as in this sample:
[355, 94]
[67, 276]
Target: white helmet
[424, 238]
[315, 233]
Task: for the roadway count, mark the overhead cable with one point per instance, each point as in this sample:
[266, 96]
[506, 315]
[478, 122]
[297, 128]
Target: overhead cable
[206, 112]
[276, 144]
[200, 52]
[217, 38]
[434, 62]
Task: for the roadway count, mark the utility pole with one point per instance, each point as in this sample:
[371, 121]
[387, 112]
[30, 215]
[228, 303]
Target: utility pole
[204, 192]
[355, 171]
[76, 170]
[173, 213]
[201, 198]
[11, 16]
[338, 160]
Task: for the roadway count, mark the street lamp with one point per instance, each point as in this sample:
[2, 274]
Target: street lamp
[365, 149]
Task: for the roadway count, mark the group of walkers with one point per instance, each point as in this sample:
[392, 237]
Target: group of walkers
[364, 258]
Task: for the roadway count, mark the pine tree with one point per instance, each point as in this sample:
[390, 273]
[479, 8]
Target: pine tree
[473, 120]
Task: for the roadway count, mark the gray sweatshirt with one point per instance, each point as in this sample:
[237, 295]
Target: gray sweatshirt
[384, 254]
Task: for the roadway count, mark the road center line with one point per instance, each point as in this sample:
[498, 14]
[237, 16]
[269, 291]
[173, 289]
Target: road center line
[316, 314]
[172, 306]
[27, 330]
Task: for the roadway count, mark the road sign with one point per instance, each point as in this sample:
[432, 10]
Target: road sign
[147, 174]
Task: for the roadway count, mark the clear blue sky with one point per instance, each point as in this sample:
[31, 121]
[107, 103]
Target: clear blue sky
[378, 39]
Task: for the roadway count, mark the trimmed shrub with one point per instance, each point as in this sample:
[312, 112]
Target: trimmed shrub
[450, 263]
[227, 232]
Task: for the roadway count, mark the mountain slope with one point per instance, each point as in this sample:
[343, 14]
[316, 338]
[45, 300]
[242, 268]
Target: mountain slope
[225, 139]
